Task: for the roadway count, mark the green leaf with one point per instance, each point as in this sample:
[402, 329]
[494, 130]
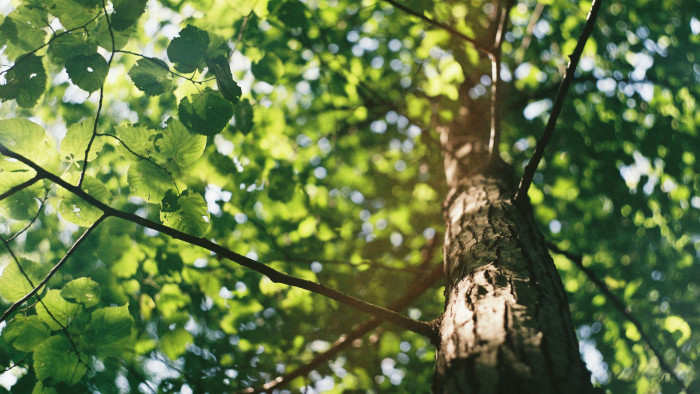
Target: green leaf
[180, 145]
[148, 181]
[87, 71]
[73, 14]
[74, 144]
[208, 113]
[60, 309]
[126, 12]
[174, 343]
[56, 359]
[25, 333]
[22, 205]
[67, 45]
[243, 113]
[13, 284]
[151, 76]
[82, 290]
[188, 49]
[103, 35]
[75, 210]
[188, 215]
[109, 324]
[227, 86]
[282, 184]
[28, 139]
[25, 82]
[269, 69]
[23, 28]
[138, 139]
[291, 13]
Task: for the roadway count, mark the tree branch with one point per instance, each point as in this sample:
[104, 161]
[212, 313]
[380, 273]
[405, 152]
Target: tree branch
[526, 180]
[416, 289]
[416, 326]
[617, 304]
[474, 44]
[495, 57]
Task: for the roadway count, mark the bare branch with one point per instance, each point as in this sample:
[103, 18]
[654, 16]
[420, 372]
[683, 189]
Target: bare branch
[51, 273]
[21, 360]
[525, 43]
[416, 326]
[620, 306]
[521, 195]
[416, 289]
[495, 57]
[474, 44]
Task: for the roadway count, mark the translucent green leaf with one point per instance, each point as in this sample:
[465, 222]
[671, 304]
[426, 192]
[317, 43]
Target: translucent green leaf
[126, 12]
[73, 14]
[56, 359]
[244, 116]
[28, 139]
[22, 28]
[75, 210]
[74, 144]
[170, 300]
[12, 173]
[189, 216]
[67, 45]
[269, 69]
[13, 284]
[148, 181]
[87, 71]
[139, 140]
[174, 343]
[676, 323]
[25, 82]
[151, 76]
[82, 290]
[60, 309]
[108, 327]
[103, 36]
[224, 81]
[22, 205]
[208, 113]
[187, 50]
[180, 145]
[25, 333]
[281, 186]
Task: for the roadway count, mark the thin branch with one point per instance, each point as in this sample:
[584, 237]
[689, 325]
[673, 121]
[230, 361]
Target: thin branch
[16, 364]
[51, 273]
[525, 43]
[416, 326]
[99, 104]
[31, 222]
[19, 187]
[528, 175]
[495, 57]
[415, 289]
[620, 306]
[475, 44]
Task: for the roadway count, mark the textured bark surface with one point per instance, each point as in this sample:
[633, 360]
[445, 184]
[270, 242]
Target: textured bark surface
[507, 326]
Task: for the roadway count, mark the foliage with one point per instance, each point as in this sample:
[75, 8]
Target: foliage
[302, 134]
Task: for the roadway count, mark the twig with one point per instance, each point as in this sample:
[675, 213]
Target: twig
[41, 206]
[528, 175]
[416, 326]
[15, 364]
[525, 43]
[416, 289]
[617, 304]
[99, 104]
[495, 57]
[475, 44]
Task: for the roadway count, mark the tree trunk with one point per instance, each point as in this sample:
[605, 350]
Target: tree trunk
[506, 326]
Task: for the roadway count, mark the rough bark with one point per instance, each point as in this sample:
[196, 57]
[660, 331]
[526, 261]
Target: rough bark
[507, 326]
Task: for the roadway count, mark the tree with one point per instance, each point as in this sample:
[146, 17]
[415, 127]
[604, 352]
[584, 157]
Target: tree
[220, 197]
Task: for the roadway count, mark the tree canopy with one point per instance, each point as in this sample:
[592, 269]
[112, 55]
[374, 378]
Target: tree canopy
[157, 157]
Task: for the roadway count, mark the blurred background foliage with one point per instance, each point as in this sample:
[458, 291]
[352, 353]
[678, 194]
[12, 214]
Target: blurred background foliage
[332, 172]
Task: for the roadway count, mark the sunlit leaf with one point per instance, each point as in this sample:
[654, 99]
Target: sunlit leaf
[56, 359]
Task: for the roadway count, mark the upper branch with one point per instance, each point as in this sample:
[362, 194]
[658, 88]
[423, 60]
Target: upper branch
[531, 167]
[475, 44]
[416, 326]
